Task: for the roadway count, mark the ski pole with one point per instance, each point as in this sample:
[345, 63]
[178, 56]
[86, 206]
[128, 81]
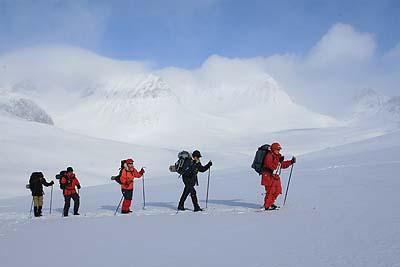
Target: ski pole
[208, 185]
[144, 195]
[287, 188]
[119, 204]
[30, 212]
[51, 197]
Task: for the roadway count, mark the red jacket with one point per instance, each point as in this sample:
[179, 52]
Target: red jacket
[271, 163]
[70, 181]
[128, 176]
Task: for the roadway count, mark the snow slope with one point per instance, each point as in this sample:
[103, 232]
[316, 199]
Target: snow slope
[339, 212]
[372, 108]
[30, 146]
[14, 106]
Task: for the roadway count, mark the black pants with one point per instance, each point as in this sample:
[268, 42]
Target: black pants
[67, 199]
[189, 189]
[127, 193]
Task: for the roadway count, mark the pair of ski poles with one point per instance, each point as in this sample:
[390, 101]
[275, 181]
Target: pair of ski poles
[143, 194]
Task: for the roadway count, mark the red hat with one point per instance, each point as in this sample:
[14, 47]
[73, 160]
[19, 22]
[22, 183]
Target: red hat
[129, 161]
[276, 146]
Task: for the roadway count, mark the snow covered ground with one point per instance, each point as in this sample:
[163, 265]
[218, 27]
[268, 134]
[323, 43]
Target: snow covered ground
[341, 211]
[341, 208]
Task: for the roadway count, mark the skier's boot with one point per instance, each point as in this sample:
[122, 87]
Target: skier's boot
[196, 209]
[40, 211]
[274, 207]
[181, 207]
[195, 203]
[35, 211]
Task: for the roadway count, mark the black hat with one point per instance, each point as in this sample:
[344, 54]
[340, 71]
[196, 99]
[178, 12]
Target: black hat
[69, 169]
[196, 154]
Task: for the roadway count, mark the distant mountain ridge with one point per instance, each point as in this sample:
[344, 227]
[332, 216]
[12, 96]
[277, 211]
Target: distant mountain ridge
[24, 108]
[372, 107]
[118, 100]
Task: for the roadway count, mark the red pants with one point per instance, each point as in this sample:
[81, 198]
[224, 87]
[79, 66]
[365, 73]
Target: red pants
[273, 189]
[126, 205]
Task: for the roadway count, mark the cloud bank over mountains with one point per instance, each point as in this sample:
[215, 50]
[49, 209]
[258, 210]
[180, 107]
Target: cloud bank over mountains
[99, 96]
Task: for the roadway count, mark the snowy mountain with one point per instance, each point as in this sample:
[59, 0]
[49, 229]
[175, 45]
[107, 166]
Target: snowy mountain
[371, 108]
[23, 108]
[116, 109]
[249, 99]
[126, 102]
[392, 107]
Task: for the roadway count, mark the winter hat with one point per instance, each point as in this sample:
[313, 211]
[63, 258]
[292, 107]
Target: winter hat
[129, 161]
[196, 154]
[276, 146]
[69, 169]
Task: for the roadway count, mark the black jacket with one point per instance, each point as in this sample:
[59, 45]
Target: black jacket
[36, 185]
[191, 169]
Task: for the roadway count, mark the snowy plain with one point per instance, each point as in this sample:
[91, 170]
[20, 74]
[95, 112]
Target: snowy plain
[341, 207]
[340, 212]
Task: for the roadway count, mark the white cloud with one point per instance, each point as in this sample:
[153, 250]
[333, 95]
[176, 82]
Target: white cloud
[342, 44]
[325, 79]
[393, 53]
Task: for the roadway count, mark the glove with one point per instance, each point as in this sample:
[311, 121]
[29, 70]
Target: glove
[293, 160]
[210, 163]
[142, 171]
[52, 182]
[78, 186]
[281, 159]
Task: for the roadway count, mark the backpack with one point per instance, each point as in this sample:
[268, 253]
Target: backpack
[181, 165]
[58, 177]
[35, 176]
[258, 162]
[117, 178]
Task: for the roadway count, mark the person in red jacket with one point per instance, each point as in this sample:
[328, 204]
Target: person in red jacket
[270, 179]
[69, 182]
[128, 174]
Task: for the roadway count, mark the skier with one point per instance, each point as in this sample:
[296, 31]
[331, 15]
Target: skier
[68, 182]
[190, 180]
[36, 183]
[270, 179]
[128, 174]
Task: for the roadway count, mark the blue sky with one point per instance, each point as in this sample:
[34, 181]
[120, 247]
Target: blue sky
[185, 33]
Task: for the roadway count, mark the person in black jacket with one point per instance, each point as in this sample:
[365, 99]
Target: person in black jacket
[36, 183]
[189, 177]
